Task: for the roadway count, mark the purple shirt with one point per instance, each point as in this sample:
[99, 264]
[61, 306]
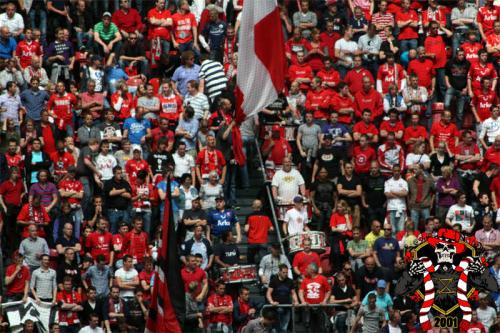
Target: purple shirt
[45, 191]
[446, 199]
[60, 48]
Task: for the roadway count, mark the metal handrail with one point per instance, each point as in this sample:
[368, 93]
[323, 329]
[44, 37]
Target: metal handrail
[270, 198]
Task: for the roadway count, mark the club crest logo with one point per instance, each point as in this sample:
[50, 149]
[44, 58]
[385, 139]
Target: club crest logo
[445, 271]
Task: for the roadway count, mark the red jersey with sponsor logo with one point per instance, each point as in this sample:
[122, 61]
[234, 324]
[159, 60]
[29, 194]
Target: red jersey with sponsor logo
[300, 71]
[182, 27]
[62, 107]
[119, 240]
[487, 17]
[137, 244]
[61, 162]
[446, 133]
[371, 100]
[216, 300]
[471, 50]
[67, 317]
[71, 185]
[16, 160]
[363, 158]
[171, 107]
[424, 70]
[317, 102]
[315, 289]
[354, 79]
[132, 167]
[493, 40]
[483, 101]
[100, 243]
[390, 75]
[478, 71]
[25, 50]
[339, 102]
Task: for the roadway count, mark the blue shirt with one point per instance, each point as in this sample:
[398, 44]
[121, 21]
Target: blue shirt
[337, 131]
[163, 186]
[34, 102]
[215, 32]
[192, 127]
[221, 221]
[7, 48]
[387, 250]
[183, 75]
[136, 129]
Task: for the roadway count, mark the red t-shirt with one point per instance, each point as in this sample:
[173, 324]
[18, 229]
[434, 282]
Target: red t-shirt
[259, 225]
[137, 245]
[39, 217]
[447, 133]
[392, 128]
[118, 240]
[371, 100]
[145, 276]
[11, 192]
[471, 50]
[362, 128]
[157, 133]
[16, 160]
[491, 156]
[467, 150]
[100, 243]
[48, 139]
[363, 158]
[217, 301]
[487, 17]
[62, 162]
[132, 167]
[210, 161]
[354, 79]
[67, 317]
[62, 107]
[339, 221]
[493, 40]
[483, 102]
[317, 102]
[156, 31]
[17, 285]
[293, 47]
[414, 133]
[435, 45]
[302, 260]
[495, 188]
[315, 289]
[339, 102]
[71, 185]
[424, 70]
[407, 32]
[478, 71]
[300, 71]
[198, 275]
[25, 51]
[390, 75]
[330, 76]
[182, 27]
[123, 108]
[170, 107]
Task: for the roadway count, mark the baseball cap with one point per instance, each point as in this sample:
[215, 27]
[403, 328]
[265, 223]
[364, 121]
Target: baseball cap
[328, 136]
[298, 199]
[106, 14]
[220, 197]
[381, 284]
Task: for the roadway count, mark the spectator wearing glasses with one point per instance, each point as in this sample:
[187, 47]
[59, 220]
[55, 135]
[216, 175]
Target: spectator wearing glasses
[132, 53]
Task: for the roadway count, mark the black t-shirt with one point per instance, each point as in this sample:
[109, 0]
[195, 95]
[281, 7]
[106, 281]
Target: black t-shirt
[59, 4]
[228, 253]
[281, 289]
[436, 165]
[351, 186]
[329, 158]
[81, 168]
[323, 192]
[279, 105]
[133, 51]
[374, 191]
[134, 315]
[159, 160]
[116, 201]
[72, 270]
[386, 48]
[484, 183]
[457, 73]
[88, 310]
[366, 280]
[340, 294]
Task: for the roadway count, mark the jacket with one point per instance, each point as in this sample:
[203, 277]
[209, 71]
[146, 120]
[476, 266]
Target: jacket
[428, 189]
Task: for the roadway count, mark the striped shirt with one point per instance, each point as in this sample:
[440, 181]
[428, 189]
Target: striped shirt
[215, 80]
[106, 34]
[44, 282]
[383, 20]
[198, 102]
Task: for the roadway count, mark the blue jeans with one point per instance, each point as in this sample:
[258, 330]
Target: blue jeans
[462, 100]
[81, 37]
[189, 47]
[458, 38]
[397, 220]
[115, 216]
[407, 44]
[284, 315]
[419, 214]
[43, 22]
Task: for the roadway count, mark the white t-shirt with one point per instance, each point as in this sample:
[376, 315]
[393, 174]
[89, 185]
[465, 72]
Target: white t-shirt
[417, 158]
[288, 184]
[126, 276]
[105, 165]
[461, 215]
[392, 185]
[486, 317]
[296, 220]
[88, 329]
[183, 164]
[346, 46]
[490, 129]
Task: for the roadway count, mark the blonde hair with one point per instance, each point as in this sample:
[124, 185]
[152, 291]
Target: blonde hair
[448, 169]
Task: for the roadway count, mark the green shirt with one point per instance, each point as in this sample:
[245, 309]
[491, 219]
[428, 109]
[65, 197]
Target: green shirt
[106, 34]
[360, 246]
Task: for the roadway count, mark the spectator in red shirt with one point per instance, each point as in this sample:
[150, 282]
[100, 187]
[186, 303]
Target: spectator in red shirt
[314, 289]
[11, 194]
[145, 277]
[275, 148]
[100, 242]
[301, 72]
[61, 107]
[354, 77]
[329, 76]
[423, 67]
[33, 213]
[368, 98]
[435, 48]
[69, 302]
[185, 30]
[317, 100]
[414, 133]
[17, 280]
[193, 273]
[27, 48]
[341, 230]
[390, 73]
[343, 104]
[393, 125]
[257, 227]
[137, 242]
[295, 45]
[220, 309]
[477, 71]
[210, 159]
[160, 23]
[362, 156]
[486, 17]
[365, 127]
[482, 102]
[445, 131]
[407, 22]
[127, 20]
[304, 258]
[119, 241]
[61, 160]
[136, 164]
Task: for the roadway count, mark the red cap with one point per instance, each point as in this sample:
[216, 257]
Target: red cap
[276, 128]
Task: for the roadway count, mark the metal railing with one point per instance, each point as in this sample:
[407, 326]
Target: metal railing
[267, 185]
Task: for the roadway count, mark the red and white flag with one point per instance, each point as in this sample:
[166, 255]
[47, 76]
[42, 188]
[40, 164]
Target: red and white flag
[261, 57]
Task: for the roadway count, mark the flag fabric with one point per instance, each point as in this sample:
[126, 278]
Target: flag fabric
[18, 312]
[261, 57]
[167, 308]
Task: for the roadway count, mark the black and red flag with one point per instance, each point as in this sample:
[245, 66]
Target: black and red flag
[167, 308]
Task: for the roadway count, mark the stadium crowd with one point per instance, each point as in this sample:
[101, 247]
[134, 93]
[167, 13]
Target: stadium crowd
[388, 129]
